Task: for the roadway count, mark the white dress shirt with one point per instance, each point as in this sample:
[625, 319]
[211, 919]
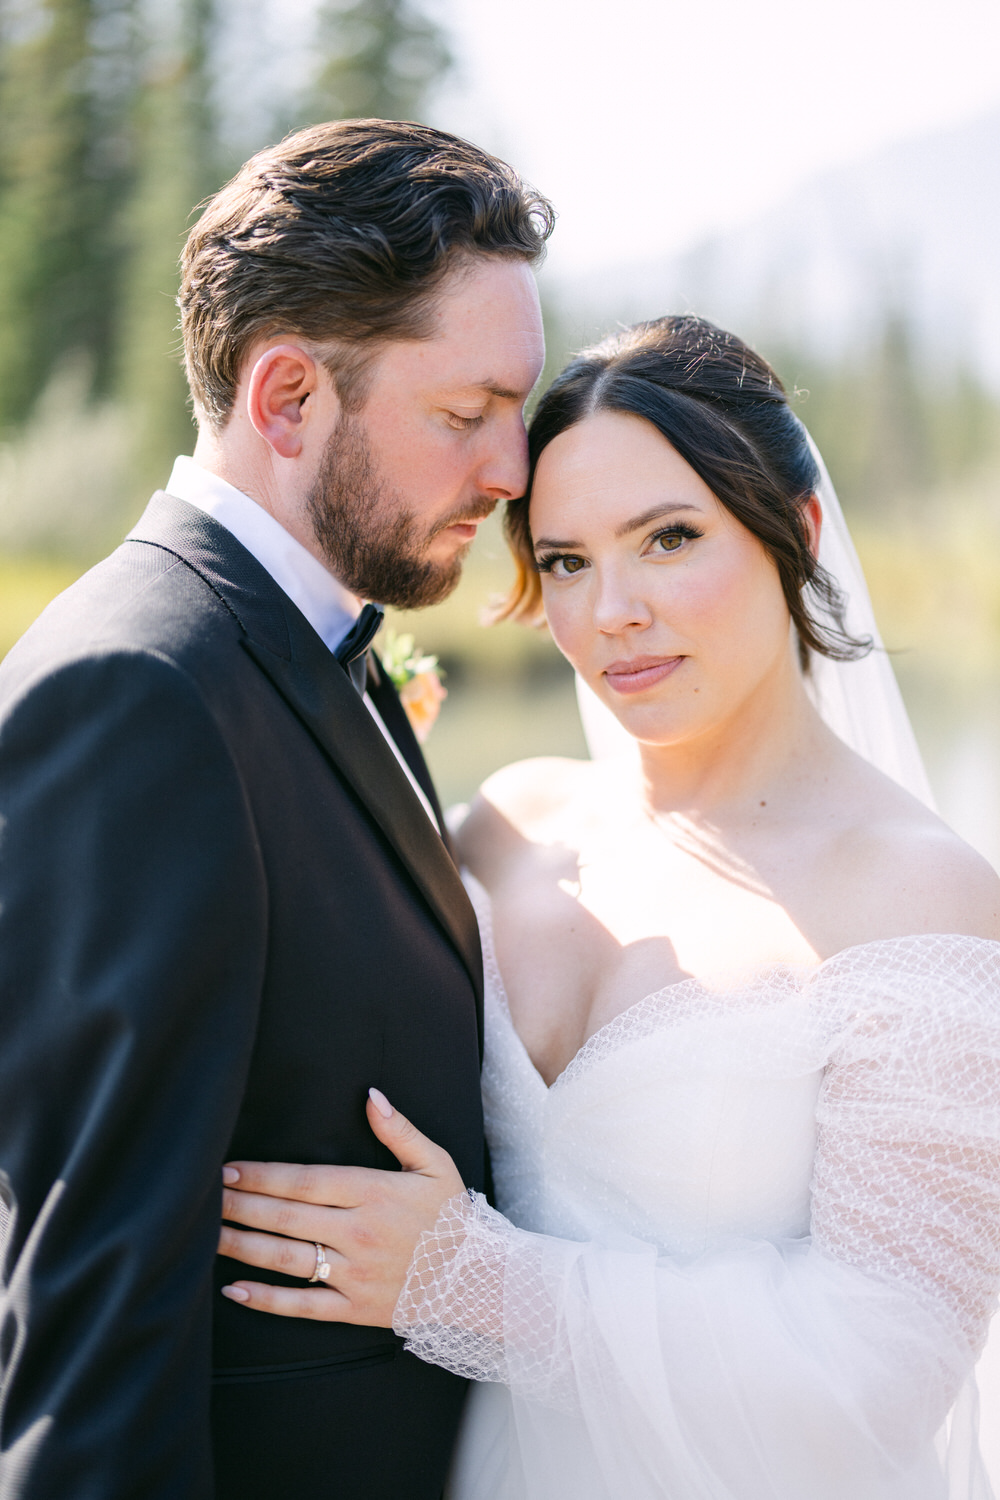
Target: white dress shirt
[329, 607]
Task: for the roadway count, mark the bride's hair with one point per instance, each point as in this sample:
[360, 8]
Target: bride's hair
[725, 411]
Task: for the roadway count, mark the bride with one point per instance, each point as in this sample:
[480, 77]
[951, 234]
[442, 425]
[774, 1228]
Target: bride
[742, 1079]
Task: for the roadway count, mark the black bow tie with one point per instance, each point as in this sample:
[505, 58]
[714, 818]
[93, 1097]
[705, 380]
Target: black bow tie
[353, 648]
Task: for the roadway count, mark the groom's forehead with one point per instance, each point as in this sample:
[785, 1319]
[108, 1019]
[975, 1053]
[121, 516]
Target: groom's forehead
[456, 375]
[482, 341]
[487, 297]
[497, 354]
[483, 389]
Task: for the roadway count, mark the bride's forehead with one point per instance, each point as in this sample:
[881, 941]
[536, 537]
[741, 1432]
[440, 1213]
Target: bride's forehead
[608, 464]
[608, 436]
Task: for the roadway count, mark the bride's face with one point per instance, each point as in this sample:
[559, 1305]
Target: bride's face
[667, 606]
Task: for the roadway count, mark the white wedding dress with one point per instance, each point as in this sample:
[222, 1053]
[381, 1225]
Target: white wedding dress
[757, 1245]
[747, 1245]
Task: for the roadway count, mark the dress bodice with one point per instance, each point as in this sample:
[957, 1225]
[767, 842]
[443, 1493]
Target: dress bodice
[664, 1125]
[748, 1243]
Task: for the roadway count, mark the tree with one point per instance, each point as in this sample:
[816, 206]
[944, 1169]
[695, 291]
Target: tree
[384, 57]
[892, 423]
[177, 164]
[110, 135]
[67, 85]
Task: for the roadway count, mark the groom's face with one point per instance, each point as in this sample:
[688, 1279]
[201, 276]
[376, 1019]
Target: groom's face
[440, 440]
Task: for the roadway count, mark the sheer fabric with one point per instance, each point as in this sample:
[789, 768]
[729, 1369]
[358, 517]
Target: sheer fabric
[748, 1244]
[757, 1242]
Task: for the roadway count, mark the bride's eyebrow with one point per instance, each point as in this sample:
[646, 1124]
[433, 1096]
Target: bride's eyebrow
[655, 513]
[551, 544]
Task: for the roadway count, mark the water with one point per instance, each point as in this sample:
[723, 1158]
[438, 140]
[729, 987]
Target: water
[958, 730]
[967, 785]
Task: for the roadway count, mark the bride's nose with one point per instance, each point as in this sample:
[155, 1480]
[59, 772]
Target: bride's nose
[617, 605]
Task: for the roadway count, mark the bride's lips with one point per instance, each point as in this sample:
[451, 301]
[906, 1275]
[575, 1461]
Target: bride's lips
[640, 672]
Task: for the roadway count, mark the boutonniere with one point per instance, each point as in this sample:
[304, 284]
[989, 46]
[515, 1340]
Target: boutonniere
[418, 681]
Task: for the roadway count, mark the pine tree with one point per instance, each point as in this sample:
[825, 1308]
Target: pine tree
[109, 138]
[385, 56]
[67, 81]
[176, 167]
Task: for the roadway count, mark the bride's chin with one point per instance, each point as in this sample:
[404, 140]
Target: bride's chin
[650, 723]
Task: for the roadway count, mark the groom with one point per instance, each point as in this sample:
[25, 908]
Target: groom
[227, 905]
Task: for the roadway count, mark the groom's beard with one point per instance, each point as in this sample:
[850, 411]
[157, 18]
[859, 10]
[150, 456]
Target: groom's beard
[372, 543]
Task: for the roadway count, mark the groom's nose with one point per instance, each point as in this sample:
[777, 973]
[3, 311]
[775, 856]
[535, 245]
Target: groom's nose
[503, 473]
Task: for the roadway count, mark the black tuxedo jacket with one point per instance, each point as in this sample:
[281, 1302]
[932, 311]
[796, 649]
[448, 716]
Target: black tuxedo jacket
[224, 914]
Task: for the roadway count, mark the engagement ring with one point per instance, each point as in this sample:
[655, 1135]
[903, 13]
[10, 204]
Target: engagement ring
[322, 1271]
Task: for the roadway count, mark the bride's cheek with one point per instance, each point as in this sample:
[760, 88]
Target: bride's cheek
[570, 625]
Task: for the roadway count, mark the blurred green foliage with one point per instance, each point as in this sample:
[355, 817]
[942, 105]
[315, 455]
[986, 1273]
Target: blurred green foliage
[68, 79]
[382, 59]
[26, 587]
[892, 423]
[111, 131]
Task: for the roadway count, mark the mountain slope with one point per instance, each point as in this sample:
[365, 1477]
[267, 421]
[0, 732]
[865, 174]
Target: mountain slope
[912, 230]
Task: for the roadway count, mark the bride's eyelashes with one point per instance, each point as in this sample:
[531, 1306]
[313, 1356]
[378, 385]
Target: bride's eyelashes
[672, 538]
[668, 539]
[560, 564]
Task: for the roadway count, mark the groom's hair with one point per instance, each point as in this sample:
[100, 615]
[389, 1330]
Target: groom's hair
[341, 235]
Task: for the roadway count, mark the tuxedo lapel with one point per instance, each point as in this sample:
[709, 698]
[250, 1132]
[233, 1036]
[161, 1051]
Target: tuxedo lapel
[328, 704]
[383, 694]
[291, 655]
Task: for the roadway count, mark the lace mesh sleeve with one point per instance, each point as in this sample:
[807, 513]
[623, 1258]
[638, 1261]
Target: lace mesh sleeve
[747, 1362]
[908, 1167]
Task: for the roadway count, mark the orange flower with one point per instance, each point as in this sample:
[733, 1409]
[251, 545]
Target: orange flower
[422, 697]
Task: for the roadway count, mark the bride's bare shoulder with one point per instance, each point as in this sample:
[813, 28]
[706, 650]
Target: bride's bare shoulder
[912, 873]
[516, 807]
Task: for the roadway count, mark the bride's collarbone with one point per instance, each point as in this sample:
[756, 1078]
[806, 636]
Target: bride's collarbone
[571, 966]
[577, 953]
[602, 900]
[593, 913]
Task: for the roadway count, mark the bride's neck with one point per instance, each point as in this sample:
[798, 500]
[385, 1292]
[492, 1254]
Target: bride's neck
[764, 752]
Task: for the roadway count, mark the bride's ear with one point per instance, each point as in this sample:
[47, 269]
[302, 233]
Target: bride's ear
[812, 513]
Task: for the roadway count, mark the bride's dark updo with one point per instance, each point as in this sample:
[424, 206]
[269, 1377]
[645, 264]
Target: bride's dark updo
[725, 411]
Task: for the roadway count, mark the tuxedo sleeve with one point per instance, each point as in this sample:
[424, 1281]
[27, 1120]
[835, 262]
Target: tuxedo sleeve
[132, 938]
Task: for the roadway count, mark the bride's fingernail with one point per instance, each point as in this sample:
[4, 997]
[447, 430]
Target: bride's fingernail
[235, 1294]
[381, 1103]
[230, 1176]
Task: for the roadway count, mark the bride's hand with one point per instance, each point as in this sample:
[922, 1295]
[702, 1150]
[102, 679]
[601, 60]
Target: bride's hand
[368, 1223]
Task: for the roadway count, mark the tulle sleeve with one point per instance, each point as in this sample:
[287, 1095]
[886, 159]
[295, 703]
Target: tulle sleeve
[817, 1367]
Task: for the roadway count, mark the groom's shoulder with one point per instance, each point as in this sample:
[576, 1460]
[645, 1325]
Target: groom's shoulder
[141, 639]
[141, 601]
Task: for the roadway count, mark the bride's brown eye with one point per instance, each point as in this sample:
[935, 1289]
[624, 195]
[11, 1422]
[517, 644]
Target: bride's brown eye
[560, 564]
[671, 538]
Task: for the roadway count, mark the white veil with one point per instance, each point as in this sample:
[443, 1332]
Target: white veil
[860, 700]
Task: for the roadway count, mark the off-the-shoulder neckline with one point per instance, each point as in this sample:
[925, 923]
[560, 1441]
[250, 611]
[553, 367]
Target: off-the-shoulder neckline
[806, 972]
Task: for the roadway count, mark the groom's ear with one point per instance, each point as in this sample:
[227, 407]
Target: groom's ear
[285, 391]
[812, 513]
